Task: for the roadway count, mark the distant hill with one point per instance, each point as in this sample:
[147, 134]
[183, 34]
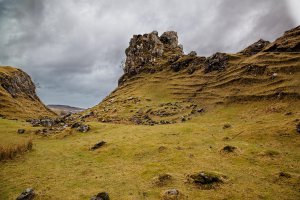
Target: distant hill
[65, 109]
[162, 85]
[18, 98]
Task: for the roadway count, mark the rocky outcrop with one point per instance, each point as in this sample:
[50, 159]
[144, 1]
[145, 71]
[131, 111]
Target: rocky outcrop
[289, 42]
[18, 98]
[147, 52]
[216, 62]
[18, 83]
[255, 47]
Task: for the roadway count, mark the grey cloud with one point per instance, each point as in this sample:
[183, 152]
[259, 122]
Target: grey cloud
[73, 48]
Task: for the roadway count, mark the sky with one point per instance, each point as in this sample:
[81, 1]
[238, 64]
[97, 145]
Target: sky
[73, 49]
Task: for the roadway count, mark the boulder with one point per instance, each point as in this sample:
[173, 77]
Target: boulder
[229, 149]
[255, 47]
[101, 196]
[83, 128]
[216, 62]
[98, 145]
[28, 194]
[193, 53]
[298, 127]
[169, 38]
[206, 180]
[21, 131]
[171, 194]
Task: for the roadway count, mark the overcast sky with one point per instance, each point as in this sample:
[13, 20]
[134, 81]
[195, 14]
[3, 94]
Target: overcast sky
[73, 48]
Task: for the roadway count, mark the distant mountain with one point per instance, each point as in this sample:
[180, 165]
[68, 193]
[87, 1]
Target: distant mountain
[65, 109]
[18, 98]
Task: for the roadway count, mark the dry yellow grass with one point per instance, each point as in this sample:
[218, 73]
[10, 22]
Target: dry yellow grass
[22, 106]
[125, 167]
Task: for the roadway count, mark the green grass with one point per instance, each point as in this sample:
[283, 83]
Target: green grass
[126, 165]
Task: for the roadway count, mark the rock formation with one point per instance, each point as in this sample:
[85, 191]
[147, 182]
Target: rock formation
[18, 96]
[147, 52]
[255, 47]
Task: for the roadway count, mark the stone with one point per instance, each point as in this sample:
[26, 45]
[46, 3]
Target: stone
[162, 179]
[216, 62]
[170, 38]
[28, 194]
[21, 131]
[298, 127]
[206, 179]
[255, 47]
[229, 149]
[284, 175]
[193, 53]
[101, 196]
[83, 128]
[98, 145]
[226, 126]
[171, 194]
[75, 125]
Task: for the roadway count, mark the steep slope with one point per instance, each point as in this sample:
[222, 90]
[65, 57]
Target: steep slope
[162, 85]
[17, 96]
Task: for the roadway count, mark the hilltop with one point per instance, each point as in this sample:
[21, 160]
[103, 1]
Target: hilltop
[163, 85]
[18, 98]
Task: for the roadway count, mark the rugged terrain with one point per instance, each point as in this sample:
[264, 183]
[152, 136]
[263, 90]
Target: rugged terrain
[163, 85]
[180, 127]
[18, 98]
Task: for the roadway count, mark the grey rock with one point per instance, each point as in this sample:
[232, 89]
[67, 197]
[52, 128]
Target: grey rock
[98, 145]
[21, 131]
[101, 196]
[193, 53]
[28, 194]
[83, 128]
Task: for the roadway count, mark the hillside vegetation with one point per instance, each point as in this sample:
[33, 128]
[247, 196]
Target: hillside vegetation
[177, 127]
[18, 99]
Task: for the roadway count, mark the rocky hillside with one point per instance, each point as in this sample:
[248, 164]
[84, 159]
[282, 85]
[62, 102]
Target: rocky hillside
[163, 85]
[18, 98]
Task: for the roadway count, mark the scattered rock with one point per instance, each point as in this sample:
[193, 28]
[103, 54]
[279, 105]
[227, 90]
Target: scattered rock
[161, 149]
[21, 131]
[285, 175]
[193, 53]
[229, 149]
[98, 145]
[288, 113]
[101, 196]
[298, 127]
[206, 180]
[162, 179]
[83, 128]
[255, 48]
[226, 126]
[28, 194]
[172, 194]
[216, 62]
[75, 125]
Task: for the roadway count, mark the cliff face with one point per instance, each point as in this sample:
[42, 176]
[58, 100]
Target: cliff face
[18, 96]
[148, 52]
[162, 85]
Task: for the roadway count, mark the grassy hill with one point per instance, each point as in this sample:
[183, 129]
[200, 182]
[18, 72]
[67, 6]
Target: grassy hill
[231, 116]
[17, 96]
[177, 88]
